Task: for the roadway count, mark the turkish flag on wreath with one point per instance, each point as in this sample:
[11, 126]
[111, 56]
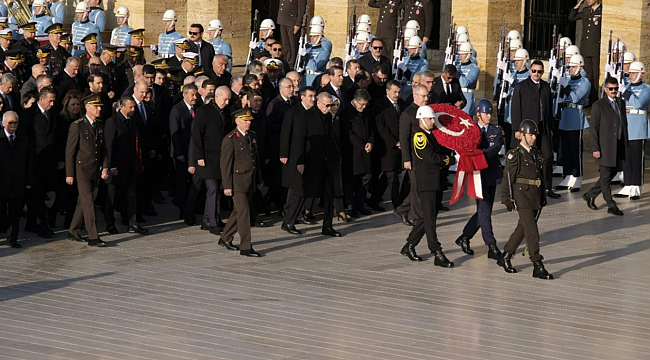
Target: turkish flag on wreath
[456, 130]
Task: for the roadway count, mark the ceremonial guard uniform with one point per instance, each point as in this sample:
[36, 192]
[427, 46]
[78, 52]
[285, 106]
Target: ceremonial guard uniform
[240, 173]
[41, 21]
[415, 63]
[290, 14]
[121, 35]
[220, 46]
[318, 56]
[57, 8]
[98, 17]
[522, 189]
[81, 28]
[468, 73]
[166, 39]
[387, 23]
[518, 76]
[422, 12]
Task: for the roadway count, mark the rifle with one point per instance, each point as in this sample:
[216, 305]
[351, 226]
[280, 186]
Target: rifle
[505, 86]
[450, 52]
[559, 98]
[349, 49]
[500, 56]
[552, 60]
[302, 44]
[254, 30]
[398, 53]
[609, 59]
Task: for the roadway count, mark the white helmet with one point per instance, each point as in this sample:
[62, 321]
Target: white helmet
[618, 45]
[462, 38]
[362, 37]
[170, 15]
[363, 27]
[577, 60]
[514, 35]
[316, 30]
[317, 20]
[629, 57]
[215, 24]
[522, 54]
[267, 24]
[465, 48]
[462, 30]
[82, 7]
[516, 44]
[364, 19]
[38, 3]
[121, 11]
[424, 112]
[565, 42]
[414, 42]
[413, 24]
[571, 50]
[637, 66]
[408, 33]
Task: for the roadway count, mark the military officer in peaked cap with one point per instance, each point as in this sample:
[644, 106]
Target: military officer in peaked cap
[387, 23]
[290, 16]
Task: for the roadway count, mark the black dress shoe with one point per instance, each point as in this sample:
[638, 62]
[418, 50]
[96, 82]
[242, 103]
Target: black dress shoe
[493, 252]
[78, 238]
[303, 220]
[409, 251]
[32, 228]
[463, 242]
[189, 222]
[444, 208]
[205, 226]
[227, 244]
[439, 259]
[505, 263]
[14, 243]
[250, 253]
[309, 216]
[551, 194]
[329, 231]
[635, 197]
[574, 190]
[402, 218]
[111, 229]
[362, 211]
[220, 223]
[137, 229]
[215, 230]
[540, 272]
[45, 233]
[591, 203]
[619, 196]
[291, 229]
[96, 242]
[376, 207]
[614, 211]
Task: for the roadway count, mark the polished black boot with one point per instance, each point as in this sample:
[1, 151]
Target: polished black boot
[504, 262]
[551, 194]
[540, 272]
[494, 252]
[409, 251]
[463, 242]
[439, 259]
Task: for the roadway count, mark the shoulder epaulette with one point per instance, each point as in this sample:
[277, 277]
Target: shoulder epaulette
[512, 156]
[79, 121]
[419, 142]
[232, 133]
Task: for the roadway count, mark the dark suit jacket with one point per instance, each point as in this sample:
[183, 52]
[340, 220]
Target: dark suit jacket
[268, 91]
[220, 80]
[525, 104]
[291, 178]
[206, 54]
[275, 112]
[64, 83]
[344, 97]
[310, 143]
[14, 97]
[148, 132]
[408, 126]
[368, 63]
[387, 122]
[442, 97]
[180, 127]
[121, 152]
[291, 12]
[208, 131]
[605, 129]
[361, 131]
[16, 165]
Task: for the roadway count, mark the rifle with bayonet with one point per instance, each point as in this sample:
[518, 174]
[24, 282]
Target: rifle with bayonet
[552, 60]
[255, 28]
[302, 44]
[496, 89]
[349, 46]
[608, 67]
[560, 82]
[450, 52]
[398, 53]
[505, 85]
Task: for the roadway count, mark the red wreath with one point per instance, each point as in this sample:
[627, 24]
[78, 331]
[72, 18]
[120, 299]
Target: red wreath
[456, 130]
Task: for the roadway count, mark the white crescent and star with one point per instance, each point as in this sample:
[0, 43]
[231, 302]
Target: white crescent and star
[465, 122]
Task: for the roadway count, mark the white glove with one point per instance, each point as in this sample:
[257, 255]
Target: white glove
[153, 47]
[448, 50]
[348, 58]
[609, 69]
[499, 56]
[555, 73]
[401, 65]
[397, 53]
[252, 45]
[457, 157]
[354, 42]
[507, 77]
[302, 51]
[501, 65]
[622, 88]
[563, 81]
[552, 62]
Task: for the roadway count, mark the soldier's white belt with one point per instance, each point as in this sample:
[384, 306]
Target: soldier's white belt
[471, 91]
[573, 106]
[636, 112]
[312, 72]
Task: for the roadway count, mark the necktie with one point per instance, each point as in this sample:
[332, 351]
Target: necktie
[288, 102]
[8, 101]
[338, 93]
[618, 118]
[143, 112]
[248, 138]
[448, 89]
[192, 112]
[11, 140]
[396, 105]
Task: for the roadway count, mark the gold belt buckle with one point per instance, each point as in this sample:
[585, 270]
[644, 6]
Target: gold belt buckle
[537, 182]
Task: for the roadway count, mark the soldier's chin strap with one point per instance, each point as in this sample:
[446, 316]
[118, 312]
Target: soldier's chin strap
[172, 25]
[523, 138]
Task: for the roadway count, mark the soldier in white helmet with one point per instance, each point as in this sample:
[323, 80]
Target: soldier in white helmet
[166, 39]
[637, 100]
[215, 29]
[317, 55]
[413, 62]
[572, 123]
[362, 42]
[267, 27]
[468, 73]
[82, 27]
[324, 41]
[39, 16]
[120, 35]
[97, 15]
[57, 8]
[519, 73]
[408, 33]
[460, 40]
[290, 14]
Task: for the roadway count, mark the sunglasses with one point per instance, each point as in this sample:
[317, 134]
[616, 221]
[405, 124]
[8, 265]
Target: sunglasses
[612, 88]
[193, 33]
[326, 105]
[276, 49]
[378, 47]
[537, 71]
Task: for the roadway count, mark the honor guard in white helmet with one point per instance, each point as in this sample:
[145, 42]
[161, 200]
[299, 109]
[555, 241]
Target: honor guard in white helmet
[520, 73]
[413, 61]
[42, 20]
[462, 30]
[468, 72]
[325, 42]
[628, 58]
[57, 8]
[413, 24]
[575, 95]
[637, 100]
[166, 39]
[97, 15]
[82, 27]
[514, 35]
[565, 42]
[362, 44]
[410, 32]
[317, 20]
[318, 54]
[267, 26]
[215, 29]
[463, 38]
[120, 34]
[364, 19]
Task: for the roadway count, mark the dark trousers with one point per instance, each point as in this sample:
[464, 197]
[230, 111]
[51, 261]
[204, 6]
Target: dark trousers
[66, 197]
[147, 183]
[633, 165]
[10, 207]
[526, 228]
[389, 45]
[411, 207]
[212, 194]
[592, 68]
[85, 210]
[602, 185]
[482, 218]
[507, 129]
[571, 152]
[183, 179]
[387, 179]
[239, 221]
[430, 207]
[36, 207]
[355, 192]
[290, 43]
[293, 206]
[126, 196]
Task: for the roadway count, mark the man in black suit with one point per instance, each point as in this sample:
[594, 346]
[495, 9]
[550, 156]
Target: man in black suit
[218, 72]
[236, 83]
[374, 57]
[68, 79]
[446, 88]
[351, 69]
[200, 46]
[180, 126]
[335, 86]
[532, 100]
[212, 123]
[377, 87]
[293, 167]
[11, 98]
[387, 111]
[608, 142]
[16, 166]
[290, 19]
[124, 156]
[275, 112]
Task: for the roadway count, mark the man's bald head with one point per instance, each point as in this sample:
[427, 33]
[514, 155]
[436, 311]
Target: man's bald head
[37, 70]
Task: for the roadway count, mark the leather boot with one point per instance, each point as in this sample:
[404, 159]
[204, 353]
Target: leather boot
[504, 262]
[409, 251]
[494, 252]
[463, 242]
[439, 259]
[540, 272]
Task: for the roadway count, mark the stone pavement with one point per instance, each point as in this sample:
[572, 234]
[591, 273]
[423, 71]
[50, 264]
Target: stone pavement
[175, 294]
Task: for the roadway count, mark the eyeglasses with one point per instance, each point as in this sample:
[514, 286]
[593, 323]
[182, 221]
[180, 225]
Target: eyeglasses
[537, 71]
[193, 33]
[378, 47]
[276, 49]
[326, 105]
[613, 88]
